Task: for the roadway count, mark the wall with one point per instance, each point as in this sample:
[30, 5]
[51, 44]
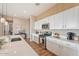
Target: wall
[21, 25]
[32, 24]
[28, 28]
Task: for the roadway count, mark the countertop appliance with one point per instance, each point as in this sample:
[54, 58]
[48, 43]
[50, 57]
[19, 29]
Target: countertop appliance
[70, 35]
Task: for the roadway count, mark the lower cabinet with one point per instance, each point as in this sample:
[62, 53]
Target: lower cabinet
[53, 47]
[35, 38]
[68, 51]
[77, 50]
[61, 49]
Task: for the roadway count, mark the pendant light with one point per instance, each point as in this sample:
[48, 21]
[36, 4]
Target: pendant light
[2, 20]
[6, 23]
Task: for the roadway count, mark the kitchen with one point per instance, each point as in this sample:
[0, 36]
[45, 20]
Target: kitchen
[64, 27]
[55, 28]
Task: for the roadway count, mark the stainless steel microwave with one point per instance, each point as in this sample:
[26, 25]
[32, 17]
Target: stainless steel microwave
[45, 26]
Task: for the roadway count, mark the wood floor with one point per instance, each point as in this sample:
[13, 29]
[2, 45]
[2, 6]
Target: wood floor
[39, 50]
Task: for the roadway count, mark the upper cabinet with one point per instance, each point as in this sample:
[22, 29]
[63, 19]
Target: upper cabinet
[38, 24]
[71, 18]
[56, 21]
[51, 21]
[68, 19]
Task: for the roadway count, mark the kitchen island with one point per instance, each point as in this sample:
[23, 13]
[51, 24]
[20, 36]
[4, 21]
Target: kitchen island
[17, 48]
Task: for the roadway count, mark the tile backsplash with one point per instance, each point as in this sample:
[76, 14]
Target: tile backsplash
[64, 31]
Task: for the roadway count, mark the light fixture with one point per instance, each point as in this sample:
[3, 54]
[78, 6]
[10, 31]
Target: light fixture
[2, 20]
[24, 11]
[6, 23]
[14, 14]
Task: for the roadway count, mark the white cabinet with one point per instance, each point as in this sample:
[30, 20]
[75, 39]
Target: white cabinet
[77, 50]
[71, 18]
[68, 19]
[35, 38]
[38, 24]
[53, 47]
[58, 22]
[68, 49]
[51, 21]
[61, 48]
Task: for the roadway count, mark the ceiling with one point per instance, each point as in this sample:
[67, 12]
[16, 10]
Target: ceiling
[24, 10]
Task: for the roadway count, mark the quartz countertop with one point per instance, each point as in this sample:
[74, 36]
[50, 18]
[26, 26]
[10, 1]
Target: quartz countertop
[18, 48]
[63, 38]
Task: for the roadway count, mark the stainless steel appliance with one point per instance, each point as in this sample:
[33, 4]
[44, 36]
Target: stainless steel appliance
[45, 26]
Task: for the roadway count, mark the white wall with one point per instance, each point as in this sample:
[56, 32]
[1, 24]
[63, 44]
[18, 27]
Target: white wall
[21, 25]
[28, 28]
[32, 25]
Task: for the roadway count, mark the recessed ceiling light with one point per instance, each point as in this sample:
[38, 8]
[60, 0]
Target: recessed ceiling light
[14, 14]
[24, 11]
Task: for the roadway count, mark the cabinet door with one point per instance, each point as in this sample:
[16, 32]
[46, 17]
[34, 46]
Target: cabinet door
[36, 39]
[37, 25]
[51, 21]
[71, 18]
[58, 22]
[68, 49]
[53, 47]
[77, 49]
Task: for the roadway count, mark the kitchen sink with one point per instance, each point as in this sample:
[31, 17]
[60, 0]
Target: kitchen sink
[15, 39]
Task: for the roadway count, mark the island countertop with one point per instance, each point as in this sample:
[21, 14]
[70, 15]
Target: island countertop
[18, 48]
